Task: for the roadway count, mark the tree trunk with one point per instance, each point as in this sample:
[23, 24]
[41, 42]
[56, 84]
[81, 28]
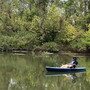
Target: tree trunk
[85, 7]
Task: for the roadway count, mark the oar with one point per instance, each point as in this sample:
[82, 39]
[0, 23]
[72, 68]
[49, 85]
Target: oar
[59, 64]
[79, 65]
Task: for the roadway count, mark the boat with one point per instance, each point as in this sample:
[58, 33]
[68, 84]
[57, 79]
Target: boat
[77, 69]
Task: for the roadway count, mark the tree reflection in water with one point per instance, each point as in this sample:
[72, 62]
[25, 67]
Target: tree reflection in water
[27, 72]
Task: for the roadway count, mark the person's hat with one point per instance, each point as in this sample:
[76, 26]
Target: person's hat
[75, 57]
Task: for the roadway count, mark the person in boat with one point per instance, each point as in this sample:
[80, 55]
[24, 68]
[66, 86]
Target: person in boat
[72, 64]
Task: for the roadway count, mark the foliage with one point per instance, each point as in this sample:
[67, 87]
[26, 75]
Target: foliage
[50, 26]
[79, 42]
[67, 34]
[83, 22]
[87, 40]
[82, 41]
[21, 41]
[29, 24]
[50, 46]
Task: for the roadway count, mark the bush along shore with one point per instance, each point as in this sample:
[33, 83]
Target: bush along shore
[44, 25]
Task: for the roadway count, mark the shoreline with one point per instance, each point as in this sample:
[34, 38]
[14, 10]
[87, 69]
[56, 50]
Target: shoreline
[40, 51]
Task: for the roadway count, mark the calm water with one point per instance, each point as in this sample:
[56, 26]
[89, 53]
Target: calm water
[27, 72]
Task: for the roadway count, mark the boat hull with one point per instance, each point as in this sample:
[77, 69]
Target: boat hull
[65, 69]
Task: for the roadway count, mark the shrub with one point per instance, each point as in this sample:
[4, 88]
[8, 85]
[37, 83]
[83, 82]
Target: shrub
[50, 46]
[21, 41]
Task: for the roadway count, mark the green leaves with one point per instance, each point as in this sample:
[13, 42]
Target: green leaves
[28, 24]
[50, 46]
[22, 40]
[87, 40]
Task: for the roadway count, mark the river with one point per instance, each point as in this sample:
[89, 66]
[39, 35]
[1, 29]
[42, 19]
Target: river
[27, 72]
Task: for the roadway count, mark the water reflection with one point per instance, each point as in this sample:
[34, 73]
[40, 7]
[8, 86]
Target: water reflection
[72, 75]
[27, 72]
[11, 83]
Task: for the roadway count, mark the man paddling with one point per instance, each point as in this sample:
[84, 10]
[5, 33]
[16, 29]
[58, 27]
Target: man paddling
[72, 64]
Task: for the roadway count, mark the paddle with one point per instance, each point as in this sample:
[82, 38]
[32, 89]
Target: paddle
[58, 64]
[64, 64]
[79, 65]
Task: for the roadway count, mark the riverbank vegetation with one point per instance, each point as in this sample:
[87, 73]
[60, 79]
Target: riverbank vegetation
[45, 25]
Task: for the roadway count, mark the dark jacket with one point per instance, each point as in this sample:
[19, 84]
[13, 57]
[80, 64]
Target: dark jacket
[74, 62]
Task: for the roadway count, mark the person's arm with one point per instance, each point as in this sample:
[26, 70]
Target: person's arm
[72, 62]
